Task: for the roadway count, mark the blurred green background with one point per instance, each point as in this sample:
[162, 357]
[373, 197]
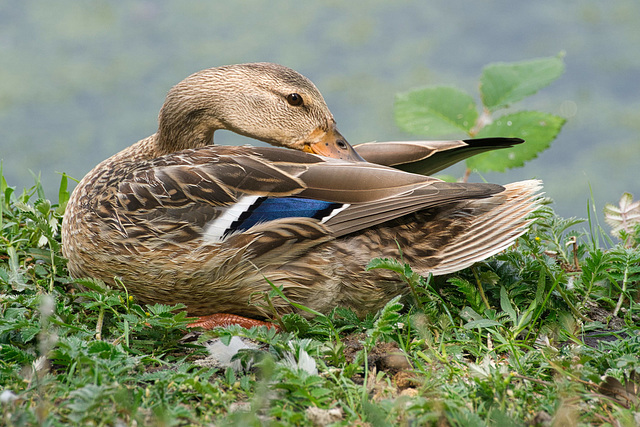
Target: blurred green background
[80, 80]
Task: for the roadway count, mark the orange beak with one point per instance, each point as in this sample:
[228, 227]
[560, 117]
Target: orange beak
[331, 144]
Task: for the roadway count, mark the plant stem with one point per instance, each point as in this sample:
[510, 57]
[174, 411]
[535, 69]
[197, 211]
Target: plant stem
[480, 290]
[624, 290]
[565, 297]
[274, 311]
[465, 177]
[414, 292]
[99, 324]
[574, 242]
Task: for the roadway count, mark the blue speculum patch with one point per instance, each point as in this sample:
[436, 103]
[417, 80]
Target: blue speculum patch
[269, 209]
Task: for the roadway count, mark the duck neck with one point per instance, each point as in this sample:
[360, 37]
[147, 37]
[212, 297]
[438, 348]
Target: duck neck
[194, 131]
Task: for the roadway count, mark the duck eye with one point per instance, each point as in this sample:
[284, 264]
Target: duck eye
[294, 99]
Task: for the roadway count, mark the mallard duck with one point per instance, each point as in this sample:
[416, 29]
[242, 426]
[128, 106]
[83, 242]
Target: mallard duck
[180, 220]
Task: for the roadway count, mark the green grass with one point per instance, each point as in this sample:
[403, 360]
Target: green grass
[526, 338]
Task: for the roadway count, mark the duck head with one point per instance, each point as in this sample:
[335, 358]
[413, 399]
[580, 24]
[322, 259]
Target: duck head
[265, 101]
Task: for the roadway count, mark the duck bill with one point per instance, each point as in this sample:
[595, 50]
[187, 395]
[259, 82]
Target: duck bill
[331, 144]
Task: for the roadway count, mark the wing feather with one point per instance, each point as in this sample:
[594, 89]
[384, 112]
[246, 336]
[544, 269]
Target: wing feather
[178, 195]
[429, 157]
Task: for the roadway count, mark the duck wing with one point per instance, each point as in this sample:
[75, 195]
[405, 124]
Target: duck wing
[216, 192]
[429, 157]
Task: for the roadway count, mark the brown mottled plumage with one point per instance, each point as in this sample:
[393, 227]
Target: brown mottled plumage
[160, 214]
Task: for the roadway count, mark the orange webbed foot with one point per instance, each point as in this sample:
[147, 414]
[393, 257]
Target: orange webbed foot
[226, 319]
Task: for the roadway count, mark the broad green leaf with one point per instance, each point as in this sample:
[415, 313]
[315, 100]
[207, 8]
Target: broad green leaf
[29, 332]
[502, 84]
[435, 111]
[536, 128]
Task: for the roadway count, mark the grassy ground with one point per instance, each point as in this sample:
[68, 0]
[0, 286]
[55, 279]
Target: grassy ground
[546, 333]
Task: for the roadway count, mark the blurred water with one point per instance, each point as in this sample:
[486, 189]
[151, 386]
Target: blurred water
[81, 80]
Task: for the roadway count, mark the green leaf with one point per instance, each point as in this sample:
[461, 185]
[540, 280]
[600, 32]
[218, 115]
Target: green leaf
[374, 413]
[538, 129]
[38, 185]
[29, 332]
[281, 294]
[387, 264]
[506, 306]
[482, 323]
[540, 288]
[162, 309]
[63, 193]
[502, 83]
[93, 284]
[434, 111]
[387, 318]
[12, 354]
[100, 347]
[468, 314]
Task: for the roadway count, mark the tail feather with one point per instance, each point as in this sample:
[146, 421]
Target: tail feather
[506, 217]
